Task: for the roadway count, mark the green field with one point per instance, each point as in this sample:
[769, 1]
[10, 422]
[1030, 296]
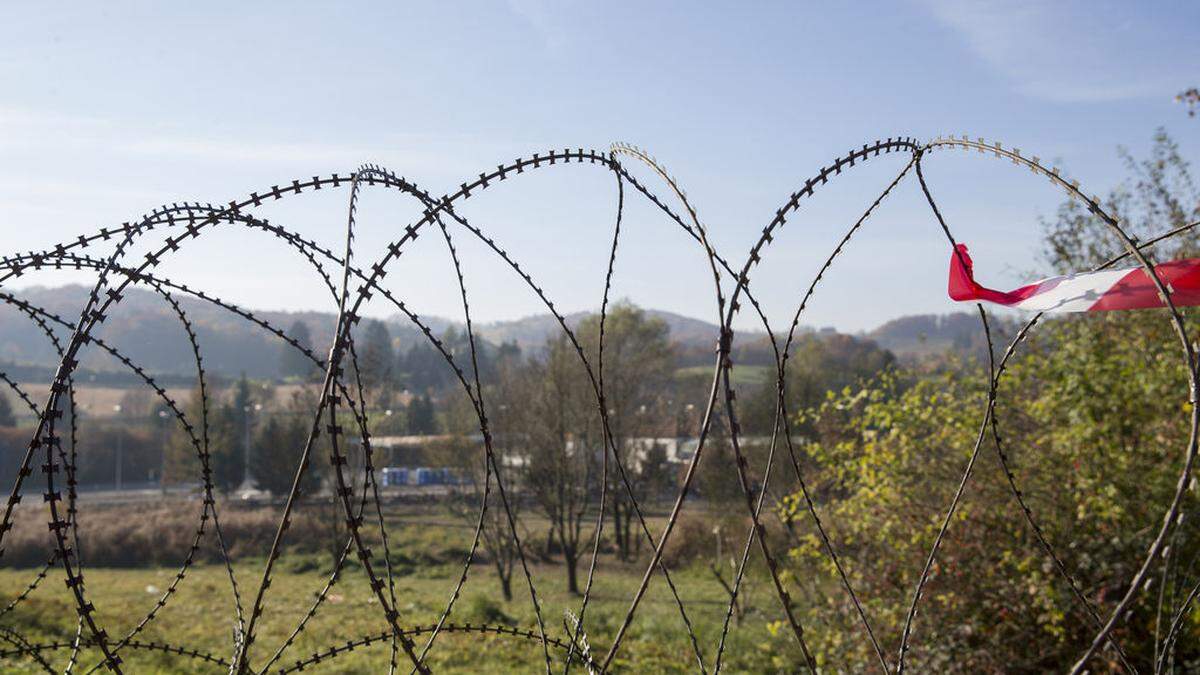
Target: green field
[742, 375]
[427, 557]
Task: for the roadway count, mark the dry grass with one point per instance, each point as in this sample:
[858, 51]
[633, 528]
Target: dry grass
[160, 534]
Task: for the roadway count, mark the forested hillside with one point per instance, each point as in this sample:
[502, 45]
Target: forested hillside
[145, 325]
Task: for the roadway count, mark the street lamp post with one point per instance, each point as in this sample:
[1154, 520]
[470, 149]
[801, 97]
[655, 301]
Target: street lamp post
[162, 452]
[247, 478]
[117, 464]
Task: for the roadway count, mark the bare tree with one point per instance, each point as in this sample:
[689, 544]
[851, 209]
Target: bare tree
[466, 453]
[564, 443]
[715, 565]
[638, 365]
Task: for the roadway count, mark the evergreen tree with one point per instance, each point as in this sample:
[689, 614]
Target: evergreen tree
[423, 368]
[376, 358]
[277, 447]
[421, 419]
[292, 362]
[7, 419]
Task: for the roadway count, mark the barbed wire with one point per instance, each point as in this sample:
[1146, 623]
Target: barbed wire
[166, 233]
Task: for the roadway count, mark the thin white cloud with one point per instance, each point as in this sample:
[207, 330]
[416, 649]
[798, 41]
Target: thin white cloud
[48, 133]
[1071, 53]
[539, 14]
[315, 154]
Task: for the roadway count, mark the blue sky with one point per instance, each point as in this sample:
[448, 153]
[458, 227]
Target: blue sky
[110, 110]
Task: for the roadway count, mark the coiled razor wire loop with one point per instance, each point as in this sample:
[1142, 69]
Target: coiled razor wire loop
[169, 229]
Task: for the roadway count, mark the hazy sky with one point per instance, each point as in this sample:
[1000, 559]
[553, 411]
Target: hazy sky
[109, 110]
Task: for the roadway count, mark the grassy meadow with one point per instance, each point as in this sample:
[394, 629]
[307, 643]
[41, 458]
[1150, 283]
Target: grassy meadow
[428, 550]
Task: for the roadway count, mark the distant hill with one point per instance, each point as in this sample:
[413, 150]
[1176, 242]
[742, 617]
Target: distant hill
[144, 326]
[929, 334]
[531, 332]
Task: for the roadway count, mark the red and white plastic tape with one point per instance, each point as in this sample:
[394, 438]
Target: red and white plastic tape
[1102, 291]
